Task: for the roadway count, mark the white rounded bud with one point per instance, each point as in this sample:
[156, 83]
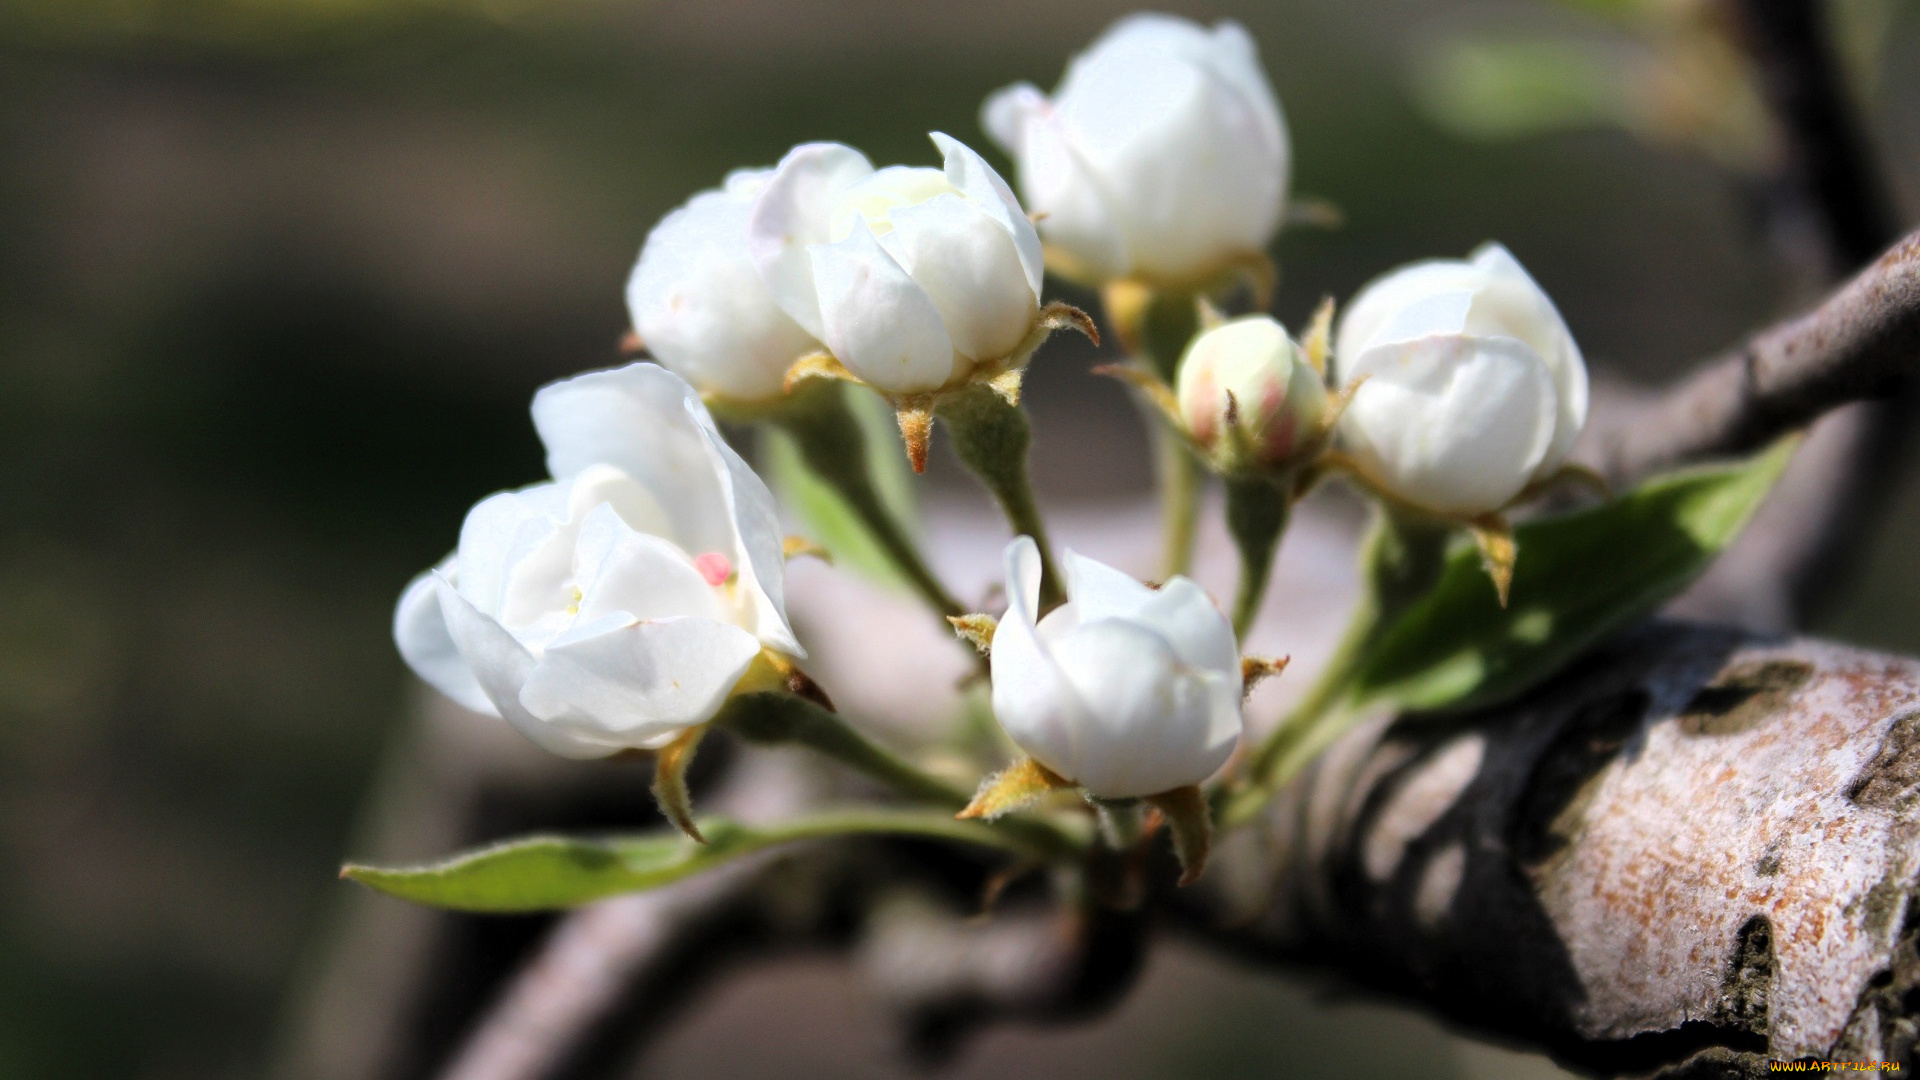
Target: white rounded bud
[701, 308]
[1162, 156]
[1474, 387]
[1124, 690]
[911, 276]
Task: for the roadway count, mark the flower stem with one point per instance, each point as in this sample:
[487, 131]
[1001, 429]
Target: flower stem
[1402, 559]
[1156, 326]
[776, 718]
[1181, 480]
[831, 441]
[1257, 511]
[992, 438]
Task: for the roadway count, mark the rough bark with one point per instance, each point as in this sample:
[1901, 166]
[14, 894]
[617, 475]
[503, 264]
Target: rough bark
[1692, 854]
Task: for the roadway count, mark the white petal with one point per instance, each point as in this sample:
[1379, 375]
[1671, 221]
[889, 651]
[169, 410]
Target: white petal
[699, 304]
[1571, 392]
[1032, 700]
[1098, 591]
[966, 264]
[877, 321]
[499, 533]
[420, 630]
[1196, 628]
[1179, 611]
[1428, 315]
[976, 179]
[501, 665]
[1455, 424]
[1150, 716]
[761, 559]
[625, 682]
[1004, 115]
[620, 571]
[1516, 305]
[1380, 301]
[1079, 220]
[746, 183]
[1510, 303]
[1193, 168]
[1227, 51]
[791, 214]
[648, 423]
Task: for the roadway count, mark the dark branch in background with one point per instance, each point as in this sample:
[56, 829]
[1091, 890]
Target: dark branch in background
[1824, 157]
[1827, 213]
[636, 958]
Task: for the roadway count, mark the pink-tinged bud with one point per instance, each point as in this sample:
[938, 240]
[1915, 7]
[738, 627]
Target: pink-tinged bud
[1250, 398]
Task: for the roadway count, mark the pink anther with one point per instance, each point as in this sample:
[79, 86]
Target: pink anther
[715, 567]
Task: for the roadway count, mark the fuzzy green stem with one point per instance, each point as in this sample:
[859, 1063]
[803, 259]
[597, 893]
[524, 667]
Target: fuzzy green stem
[1120, 822]
[770, 718]
[830, 439]
[1181, 480]
[992, 437]
[1401, 560]
[1158, 331]
[775, 718]
[1257, 511]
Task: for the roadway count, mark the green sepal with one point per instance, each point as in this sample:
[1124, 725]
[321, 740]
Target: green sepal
[832, 452]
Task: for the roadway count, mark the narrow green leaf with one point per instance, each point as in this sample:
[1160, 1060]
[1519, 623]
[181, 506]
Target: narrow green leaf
[824, 513]
[1579, 577]
[1510, 88]
[544, 873]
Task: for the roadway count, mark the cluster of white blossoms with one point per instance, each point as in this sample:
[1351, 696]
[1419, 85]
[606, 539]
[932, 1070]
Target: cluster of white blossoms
[622, 604]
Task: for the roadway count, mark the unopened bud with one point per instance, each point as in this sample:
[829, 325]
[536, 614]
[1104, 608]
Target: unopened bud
[1250, 398]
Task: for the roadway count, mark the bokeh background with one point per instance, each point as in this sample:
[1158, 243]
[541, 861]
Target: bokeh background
[278, 276]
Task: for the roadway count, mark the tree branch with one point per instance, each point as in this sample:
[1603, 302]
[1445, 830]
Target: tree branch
[585, 972]
[1695, 849]
[1860, 344]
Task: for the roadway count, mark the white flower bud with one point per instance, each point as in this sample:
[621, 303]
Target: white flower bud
[701, 308]
[1124, 690]
[617, 605]
[1162, 156]
[1249, 395]
[911, 276]
[1475, 388]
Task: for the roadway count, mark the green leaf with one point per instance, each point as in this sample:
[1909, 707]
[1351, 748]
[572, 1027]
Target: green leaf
[1579, 577]
[544, 873]
[1512, 88]
[824, 512]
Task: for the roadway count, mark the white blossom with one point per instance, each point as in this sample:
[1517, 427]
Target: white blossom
[701, 308]
[1162, 155]
[1124, 690]
[911, 276]
[1475, 388]
[616, 605]
[1278, 402]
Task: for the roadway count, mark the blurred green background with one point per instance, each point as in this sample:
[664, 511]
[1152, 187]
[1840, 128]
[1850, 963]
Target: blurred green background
[278, 276]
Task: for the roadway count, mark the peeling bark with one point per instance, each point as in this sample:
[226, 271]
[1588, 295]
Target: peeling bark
[1694, 852]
